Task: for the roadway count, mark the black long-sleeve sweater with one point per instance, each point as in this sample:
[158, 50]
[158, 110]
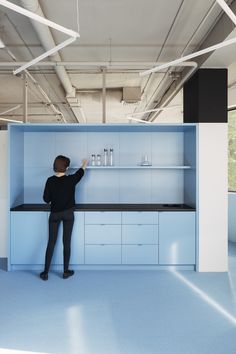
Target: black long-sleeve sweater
[60, 191]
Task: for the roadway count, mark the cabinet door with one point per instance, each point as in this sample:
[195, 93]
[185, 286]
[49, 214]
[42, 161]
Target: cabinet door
[177, 238]
[140, 234]
[77, 242]
[140, 254]
[102, 234]
[102, 217]
[102, 254]
[29, 235]
[139, 217]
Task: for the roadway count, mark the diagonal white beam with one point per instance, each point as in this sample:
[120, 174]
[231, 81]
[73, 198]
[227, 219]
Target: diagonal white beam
[38, 18]
[73, 35]
[227, 10]
[44, 55]
[232, 16]
[190, 56]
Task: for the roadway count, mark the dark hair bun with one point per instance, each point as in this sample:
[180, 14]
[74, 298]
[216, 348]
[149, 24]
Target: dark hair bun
[61, 163]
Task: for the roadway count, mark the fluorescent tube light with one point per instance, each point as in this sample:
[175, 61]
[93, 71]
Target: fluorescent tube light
[38, 18]
[139, 120]
[2, 45]
[227, 10]
[190, 56]
[46, 54]
[73, 35]
[10, 120]
[231, 15]
[154, 110]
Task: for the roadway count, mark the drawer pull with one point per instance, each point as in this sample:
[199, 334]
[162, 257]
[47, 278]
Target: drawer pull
[139, 244]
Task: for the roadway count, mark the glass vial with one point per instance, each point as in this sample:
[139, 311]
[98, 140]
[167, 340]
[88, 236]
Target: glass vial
[93, 162]
[111, 157]
[105, 161]
[98, 160]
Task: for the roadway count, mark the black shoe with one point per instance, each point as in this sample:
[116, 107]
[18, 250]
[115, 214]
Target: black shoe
[68, 273]
[44, 276]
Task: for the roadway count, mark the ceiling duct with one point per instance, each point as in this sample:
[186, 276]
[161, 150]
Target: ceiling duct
[131, 94]
[47, 41]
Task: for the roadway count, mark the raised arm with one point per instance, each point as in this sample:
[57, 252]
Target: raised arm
[84, 164]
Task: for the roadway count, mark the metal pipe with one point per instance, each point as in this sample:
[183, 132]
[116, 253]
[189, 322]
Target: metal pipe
[103, 95]
[25, 98]
[99, 64]
[48, 42]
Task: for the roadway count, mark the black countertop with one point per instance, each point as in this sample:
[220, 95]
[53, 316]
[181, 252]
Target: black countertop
[110, 207]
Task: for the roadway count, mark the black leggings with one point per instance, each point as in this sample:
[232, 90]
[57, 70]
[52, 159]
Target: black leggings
[67, 217]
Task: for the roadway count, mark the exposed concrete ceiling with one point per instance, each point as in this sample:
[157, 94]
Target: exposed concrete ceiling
[126, 37]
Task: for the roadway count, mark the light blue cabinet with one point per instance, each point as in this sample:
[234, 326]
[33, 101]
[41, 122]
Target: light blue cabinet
[139, 217]
[140, 234]
[29, 237]
[103, 234]
[140, 238]
[103, 254]
[139, 254]
[101, 217]
[103, 238]
[177, 238]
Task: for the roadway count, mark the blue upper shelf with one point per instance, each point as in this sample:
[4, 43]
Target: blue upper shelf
[101, 127]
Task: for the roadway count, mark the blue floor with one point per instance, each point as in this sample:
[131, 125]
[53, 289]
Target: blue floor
[119, 312]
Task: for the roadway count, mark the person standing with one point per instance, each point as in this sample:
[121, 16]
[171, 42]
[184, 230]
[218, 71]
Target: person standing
[59, 191]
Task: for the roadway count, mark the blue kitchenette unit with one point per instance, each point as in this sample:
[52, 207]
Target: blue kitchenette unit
[138, 213]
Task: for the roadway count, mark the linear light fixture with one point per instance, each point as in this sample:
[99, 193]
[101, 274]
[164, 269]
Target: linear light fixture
[131, 116]
[138, 120]
[73, 35]
[232, 16]
[2, 45]
[154, 110]
[10, 120]
[227, 10]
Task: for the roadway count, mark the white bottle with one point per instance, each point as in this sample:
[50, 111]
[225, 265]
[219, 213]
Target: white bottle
[105, 161]
[111, 158]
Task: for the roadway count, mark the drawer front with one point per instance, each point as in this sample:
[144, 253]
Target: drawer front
[102, 217]
[139, 234]
[103, 234]
[139, 254]
[102, 254]
[140, 217]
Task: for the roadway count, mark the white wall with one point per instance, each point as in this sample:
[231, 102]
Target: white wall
[212, 203]
[3, 193]
[232, 216]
